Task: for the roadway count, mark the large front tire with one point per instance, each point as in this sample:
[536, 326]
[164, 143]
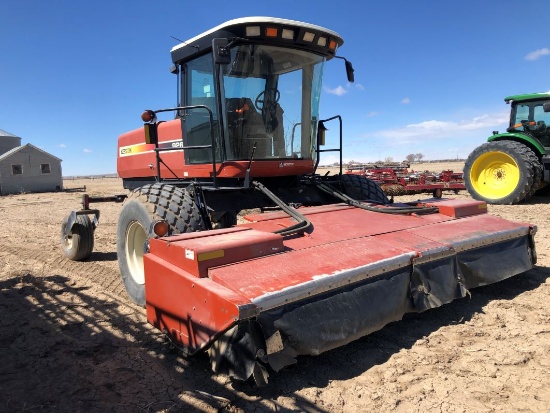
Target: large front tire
[361, 188]
[142, 207]
[500, 172]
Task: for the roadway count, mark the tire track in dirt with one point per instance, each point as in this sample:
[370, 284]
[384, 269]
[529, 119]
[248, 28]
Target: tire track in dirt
[39, 261]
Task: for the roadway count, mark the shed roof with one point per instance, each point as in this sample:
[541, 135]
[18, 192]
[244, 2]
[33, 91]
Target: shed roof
[7, 134]
[19, 148]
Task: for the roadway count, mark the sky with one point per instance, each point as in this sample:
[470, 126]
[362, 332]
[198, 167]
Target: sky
[430, 76]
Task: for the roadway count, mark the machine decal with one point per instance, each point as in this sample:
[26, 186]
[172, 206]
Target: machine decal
[148, 147]
[211, 255]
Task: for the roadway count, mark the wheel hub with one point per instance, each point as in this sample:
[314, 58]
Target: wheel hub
[135, 240]
[500, 174]
[495, 175]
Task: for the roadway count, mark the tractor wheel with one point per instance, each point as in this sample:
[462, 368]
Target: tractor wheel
[437, 193]
[394, 189]
[537, 174]
[500, 172]
[143, 206]
[361, 188]
[79, 244]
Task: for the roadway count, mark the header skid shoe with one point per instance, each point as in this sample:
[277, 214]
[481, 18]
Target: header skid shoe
[256, 300]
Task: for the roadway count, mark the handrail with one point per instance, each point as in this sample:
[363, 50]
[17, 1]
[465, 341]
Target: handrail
[212, 145]
[318, 150]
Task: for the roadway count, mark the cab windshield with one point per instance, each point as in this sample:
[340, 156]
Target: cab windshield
[271, 102]
[530, 117]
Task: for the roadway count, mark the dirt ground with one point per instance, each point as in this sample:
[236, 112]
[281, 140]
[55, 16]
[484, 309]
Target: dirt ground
[70, 339]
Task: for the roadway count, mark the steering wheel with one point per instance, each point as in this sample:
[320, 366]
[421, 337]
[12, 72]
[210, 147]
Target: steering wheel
[525, 124]
[260, 101]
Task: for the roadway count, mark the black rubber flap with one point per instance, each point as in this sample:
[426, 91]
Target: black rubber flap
[495, 262]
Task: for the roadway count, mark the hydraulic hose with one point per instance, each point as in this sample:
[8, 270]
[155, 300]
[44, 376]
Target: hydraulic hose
[384, 209]
[303, 223]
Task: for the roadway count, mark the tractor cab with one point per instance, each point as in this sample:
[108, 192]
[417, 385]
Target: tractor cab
[248, 100]
[531, 114]
[247, 105]
[261, 79]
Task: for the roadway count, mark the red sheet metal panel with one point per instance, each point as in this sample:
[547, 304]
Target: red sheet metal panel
[297, 274]
[331, 226]
[357, 243]
[192, 311]
[475, 231]
[196, 252]
[458, 208]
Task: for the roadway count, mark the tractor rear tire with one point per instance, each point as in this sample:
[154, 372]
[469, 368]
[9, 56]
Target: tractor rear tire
[79, 244]
[143, 206]
[537, 174]
[361, 188]
[501, 172]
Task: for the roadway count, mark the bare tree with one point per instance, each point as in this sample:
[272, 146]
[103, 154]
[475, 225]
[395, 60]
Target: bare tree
[388, 159]
[419, 156]
[410, 157]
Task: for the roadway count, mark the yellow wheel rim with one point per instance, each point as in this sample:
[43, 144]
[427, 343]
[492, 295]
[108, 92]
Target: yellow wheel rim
[494, 175]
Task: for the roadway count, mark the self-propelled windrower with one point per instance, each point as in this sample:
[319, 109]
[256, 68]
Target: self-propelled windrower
[321, 260]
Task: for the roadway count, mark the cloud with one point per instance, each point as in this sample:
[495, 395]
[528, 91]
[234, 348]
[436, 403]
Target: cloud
[373, 114]
[86, 150]
[537, 54]
[405, 101]
[61, 145]
[442, 129]
[338, 91]
[341, 90]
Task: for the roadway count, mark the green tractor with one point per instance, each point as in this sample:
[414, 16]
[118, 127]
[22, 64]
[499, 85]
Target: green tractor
[512, 166]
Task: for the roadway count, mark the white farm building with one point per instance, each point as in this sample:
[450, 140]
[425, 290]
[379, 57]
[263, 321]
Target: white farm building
[27, 168]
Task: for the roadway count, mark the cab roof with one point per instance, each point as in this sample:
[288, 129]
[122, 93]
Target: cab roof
[268, 30]
[527, 96]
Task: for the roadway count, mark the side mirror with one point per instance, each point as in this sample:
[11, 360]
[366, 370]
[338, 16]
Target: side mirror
[349, 71]
[221, 51]
[546, 107]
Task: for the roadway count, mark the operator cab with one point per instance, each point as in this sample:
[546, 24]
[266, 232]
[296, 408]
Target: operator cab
[261, 79]
[531, 116]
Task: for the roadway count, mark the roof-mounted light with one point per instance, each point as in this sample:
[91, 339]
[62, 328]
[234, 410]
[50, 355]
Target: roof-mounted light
[271, 32]
[288, 34]
[252, 31]
[275, 31]
[308, 37]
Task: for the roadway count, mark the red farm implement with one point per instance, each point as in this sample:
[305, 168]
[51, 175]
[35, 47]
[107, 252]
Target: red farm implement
[398, 179]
